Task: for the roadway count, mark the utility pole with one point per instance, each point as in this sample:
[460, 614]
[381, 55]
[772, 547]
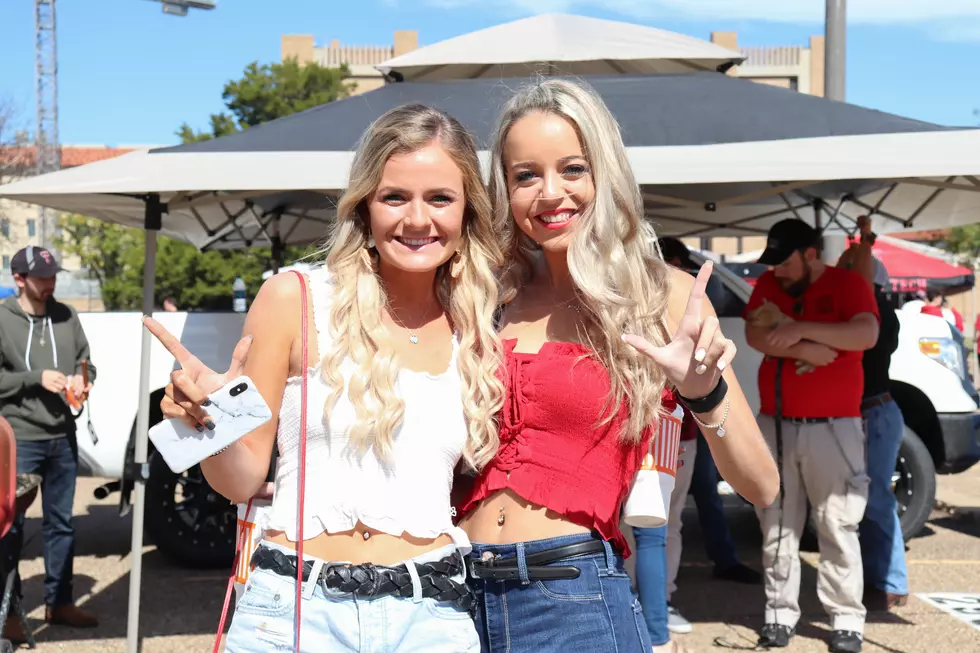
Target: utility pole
[835, 53]
[47, 149]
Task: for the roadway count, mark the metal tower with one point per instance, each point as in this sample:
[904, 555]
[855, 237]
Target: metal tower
[47, 147]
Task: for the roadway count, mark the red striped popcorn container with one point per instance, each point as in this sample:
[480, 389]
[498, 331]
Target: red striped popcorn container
[648, 503]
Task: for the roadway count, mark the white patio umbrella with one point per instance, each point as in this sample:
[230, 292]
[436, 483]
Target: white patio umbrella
[559, 44]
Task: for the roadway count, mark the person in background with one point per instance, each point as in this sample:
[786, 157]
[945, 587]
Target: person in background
[686, 457]
[170, 304]
[654, 575]
[951, 315]
[812, 420]
[882, 544]
[934, 304]
[704, 483]
[42, 348]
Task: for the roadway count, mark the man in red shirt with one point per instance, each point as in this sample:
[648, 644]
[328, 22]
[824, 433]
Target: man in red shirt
[813, 322]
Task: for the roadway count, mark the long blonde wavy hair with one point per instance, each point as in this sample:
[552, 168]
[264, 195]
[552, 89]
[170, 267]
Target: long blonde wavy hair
[466, 287]
[620, 276]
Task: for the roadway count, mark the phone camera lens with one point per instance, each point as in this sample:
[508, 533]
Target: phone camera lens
[238, 389]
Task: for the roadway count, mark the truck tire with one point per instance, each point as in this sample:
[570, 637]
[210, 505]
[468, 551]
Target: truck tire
[914, 484]
[189, 522]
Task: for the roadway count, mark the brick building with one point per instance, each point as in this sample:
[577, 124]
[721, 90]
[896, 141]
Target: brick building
[361, 59]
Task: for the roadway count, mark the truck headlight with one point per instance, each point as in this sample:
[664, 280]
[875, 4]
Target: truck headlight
[946, 352]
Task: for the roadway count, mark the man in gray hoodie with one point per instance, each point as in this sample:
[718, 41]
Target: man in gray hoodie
[42, 349]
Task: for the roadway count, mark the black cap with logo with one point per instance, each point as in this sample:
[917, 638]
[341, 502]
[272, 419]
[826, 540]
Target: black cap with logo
[788, 236]
[34, 261]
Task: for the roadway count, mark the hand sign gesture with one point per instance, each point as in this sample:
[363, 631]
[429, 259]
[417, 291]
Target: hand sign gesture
[697, 353]
[187, 392]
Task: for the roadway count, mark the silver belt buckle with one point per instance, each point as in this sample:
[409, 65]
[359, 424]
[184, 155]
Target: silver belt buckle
[322, 580]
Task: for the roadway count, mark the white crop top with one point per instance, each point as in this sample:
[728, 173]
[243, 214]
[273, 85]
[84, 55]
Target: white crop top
[408, 495]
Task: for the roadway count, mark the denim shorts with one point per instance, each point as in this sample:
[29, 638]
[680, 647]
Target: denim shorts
[264, 618]
[598, 611]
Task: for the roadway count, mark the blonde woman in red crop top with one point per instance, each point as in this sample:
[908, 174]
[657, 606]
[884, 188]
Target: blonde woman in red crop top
[597, 331]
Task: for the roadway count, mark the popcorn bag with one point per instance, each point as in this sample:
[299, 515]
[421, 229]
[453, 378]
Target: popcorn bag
[648, 503]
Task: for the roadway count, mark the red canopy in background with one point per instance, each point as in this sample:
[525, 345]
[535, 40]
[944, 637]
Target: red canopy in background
[911, 270]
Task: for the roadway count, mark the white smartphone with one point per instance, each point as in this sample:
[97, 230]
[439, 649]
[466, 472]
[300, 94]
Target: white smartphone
[237, 409]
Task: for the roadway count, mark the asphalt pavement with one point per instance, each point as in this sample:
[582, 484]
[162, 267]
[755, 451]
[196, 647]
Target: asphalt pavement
[180, 607]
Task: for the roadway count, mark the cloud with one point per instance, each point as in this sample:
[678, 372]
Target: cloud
[958, 33]
[954, 19]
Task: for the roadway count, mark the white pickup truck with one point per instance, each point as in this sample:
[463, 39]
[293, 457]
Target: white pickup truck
[195, 526]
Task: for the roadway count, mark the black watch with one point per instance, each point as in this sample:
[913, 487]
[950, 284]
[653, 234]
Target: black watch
[710, 401]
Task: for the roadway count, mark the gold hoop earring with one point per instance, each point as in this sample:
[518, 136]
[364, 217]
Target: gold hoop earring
[456, 267]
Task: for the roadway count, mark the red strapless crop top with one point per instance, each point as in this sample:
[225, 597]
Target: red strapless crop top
[552, 453]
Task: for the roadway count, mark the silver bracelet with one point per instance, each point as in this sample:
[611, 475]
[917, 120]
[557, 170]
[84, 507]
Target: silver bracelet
[720, 426]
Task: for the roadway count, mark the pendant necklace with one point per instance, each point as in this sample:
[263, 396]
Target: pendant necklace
[412, 336]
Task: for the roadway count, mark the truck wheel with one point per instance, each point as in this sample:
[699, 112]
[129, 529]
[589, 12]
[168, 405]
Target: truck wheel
[914, 484]
[188, 521]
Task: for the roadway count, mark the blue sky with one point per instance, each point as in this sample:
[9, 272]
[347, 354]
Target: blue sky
[128, 74]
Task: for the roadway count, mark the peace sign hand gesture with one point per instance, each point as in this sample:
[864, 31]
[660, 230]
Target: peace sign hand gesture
[187, 393]
[698, 352]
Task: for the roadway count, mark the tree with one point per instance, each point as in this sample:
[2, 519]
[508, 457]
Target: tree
[272, 91]
[16, 155]
[196, 280]
[202, 280]
[965, 240]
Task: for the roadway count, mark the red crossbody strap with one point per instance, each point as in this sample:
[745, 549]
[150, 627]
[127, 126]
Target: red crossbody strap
[302, 490]
[304, 373]
[231, 583]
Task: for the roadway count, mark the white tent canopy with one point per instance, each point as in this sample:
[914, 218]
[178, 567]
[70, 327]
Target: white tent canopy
[563, 44]
[216, 199]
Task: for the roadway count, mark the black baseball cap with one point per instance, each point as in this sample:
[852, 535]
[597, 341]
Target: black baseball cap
[788, 236]
[36, 262]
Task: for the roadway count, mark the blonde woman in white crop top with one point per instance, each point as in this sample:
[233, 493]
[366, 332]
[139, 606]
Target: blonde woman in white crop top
[402, 385]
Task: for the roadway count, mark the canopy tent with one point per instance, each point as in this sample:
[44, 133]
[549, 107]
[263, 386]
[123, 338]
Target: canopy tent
[912, 267]
[559, 44]
[713, 154]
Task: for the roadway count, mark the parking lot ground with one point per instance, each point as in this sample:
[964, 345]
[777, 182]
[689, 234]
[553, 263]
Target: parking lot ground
[180, 607]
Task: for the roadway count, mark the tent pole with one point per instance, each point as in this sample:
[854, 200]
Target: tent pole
[152, 221]
[975, 354]
[835, 59]
[277, 249]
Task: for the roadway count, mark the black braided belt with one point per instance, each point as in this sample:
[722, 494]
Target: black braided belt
[342, 579]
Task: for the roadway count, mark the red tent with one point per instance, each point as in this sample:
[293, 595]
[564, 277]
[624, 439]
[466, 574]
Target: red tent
[911, 269]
